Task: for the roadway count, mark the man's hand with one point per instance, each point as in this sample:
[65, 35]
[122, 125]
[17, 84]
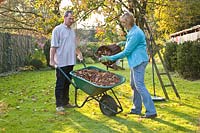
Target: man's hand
[79, 54]
[80, 57]
[53, 64]
[52, 54]
[104, 58]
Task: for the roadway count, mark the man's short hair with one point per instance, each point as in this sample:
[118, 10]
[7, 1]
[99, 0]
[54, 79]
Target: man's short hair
[68, 12]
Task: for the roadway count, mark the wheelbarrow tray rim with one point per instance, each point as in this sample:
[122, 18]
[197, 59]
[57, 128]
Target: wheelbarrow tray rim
[122, 78]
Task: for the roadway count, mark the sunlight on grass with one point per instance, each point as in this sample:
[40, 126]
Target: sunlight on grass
[27, 104]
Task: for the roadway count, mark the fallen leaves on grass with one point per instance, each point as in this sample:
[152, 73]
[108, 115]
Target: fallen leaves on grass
[61, 113]
[3, 107]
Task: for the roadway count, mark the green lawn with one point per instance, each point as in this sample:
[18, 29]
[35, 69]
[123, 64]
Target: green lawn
[27, 104]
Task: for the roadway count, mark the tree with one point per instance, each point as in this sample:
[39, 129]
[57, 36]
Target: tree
[175, 15]
[30, 17]
[39, 17]
[112, 10]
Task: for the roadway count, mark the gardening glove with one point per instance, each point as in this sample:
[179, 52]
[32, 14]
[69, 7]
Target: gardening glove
[104, 58]
[121, 44]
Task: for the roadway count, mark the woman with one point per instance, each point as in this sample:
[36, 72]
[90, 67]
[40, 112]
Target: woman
[135, 51]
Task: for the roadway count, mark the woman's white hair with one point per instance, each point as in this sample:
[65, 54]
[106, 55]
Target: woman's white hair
[128, 17]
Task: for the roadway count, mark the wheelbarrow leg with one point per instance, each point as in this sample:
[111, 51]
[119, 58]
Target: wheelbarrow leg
[88, 98]
[119, 104]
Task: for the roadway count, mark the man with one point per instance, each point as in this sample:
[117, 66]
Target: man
[63, 53]
[135, 51]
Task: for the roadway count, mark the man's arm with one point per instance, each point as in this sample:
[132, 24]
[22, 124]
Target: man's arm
[52, 55]
[78, 52]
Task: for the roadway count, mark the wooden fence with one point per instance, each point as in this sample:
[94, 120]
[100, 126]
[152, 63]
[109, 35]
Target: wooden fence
[15, 51]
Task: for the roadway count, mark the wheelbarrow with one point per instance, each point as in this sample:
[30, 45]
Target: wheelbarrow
[108, 105]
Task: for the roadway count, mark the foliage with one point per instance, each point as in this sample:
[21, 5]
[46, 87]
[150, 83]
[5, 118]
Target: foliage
[29, 17]
[38, 58]
[111, 30]
[170, 56]
[89, 49]
[172, 16]
[38, 54]
[28, 105]
[86, 35]
[47, 52]
[36, 63]
[89, 60]
[188, 60]
[183, 58]
[40, 17]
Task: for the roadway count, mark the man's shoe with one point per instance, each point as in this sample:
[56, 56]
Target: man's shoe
[69, 106]
[60, 109]
[149, 116]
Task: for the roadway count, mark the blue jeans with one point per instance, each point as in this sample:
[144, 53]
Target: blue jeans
[140, 93]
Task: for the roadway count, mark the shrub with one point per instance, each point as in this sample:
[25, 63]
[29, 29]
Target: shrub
[195, 64]
[170, 56]
[188, 60]
[89, 50]
[47, 51]
[36, 63]
[89, 60]
[183, 58]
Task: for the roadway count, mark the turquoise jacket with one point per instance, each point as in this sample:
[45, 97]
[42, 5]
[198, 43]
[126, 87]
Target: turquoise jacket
[135, 48]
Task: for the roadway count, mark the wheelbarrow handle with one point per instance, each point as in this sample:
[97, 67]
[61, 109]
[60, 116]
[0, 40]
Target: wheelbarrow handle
[65, 75]
[81, 61]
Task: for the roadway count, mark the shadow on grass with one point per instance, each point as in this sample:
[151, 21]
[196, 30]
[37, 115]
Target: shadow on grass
[130, 124]
[83, 123]
[175, 126]
[181, 115]
[139, 127]
[184, 104]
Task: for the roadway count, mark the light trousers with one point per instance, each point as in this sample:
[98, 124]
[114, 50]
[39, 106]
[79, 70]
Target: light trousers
[140, 93]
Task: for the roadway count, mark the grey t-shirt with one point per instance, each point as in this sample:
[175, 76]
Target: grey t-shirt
[63, 38]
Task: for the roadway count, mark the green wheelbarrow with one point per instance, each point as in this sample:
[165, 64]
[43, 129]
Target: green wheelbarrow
[108, 105]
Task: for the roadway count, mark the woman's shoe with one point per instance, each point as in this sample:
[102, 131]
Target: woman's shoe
[149, 116]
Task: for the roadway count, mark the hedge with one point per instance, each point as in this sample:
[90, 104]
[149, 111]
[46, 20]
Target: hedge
[183, 58]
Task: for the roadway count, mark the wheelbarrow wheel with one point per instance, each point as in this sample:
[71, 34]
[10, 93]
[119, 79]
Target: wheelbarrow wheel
[108, 105]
